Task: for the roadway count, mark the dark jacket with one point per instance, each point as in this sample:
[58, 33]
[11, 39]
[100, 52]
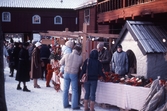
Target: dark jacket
[16, 51]
[94, 66]
[23, 66]
[105, 58]
[44, 52]
[11, 60]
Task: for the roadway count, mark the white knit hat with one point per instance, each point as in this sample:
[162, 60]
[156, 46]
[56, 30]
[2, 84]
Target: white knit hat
[38, 44]
[69, 44]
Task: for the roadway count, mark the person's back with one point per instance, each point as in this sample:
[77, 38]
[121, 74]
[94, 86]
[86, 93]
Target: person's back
[72, 62]
[94, 70]
[44, 52]
[94, 66]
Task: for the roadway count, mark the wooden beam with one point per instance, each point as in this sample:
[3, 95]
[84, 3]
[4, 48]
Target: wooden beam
[77, 34]
[103, 35]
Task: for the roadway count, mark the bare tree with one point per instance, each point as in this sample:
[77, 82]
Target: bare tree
[2, 80]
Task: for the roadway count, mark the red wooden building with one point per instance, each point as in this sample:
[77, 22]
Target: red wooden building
[21, 19]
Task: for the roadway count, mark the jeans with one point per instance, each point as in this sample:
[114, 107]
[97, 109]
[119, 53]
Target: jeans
[90, 88]
[73, 79]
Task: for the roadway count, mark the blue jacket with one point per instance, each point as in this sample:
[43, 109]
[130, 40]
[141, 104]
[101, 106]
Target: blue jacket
[94, 66]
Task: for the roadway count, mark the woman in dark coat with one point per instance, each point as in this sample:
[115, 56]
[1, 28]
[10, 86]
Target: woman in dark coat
[36, 64]
[94, 68]
[16, 51]
[22, 74]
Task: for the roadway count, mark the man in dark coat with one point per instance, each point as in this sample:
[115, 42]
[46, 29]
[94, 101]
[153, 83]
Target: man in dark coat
[104, 57]
[22, 74]
[11, 61]
[44, 56]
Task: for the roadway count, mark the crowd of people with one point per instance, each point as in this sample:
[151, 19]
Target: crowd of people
[31, 60]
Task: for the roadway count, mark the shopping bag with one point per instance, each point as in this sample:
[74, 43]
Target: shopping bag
[84, 78]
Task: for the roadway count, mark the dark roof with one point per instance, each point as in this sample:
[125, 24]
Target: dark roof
[55, 4]
[150, 37]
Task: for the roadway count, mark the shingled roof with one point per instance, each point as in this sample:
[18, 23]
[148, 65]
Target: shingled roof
[151, 38]
[57, 4]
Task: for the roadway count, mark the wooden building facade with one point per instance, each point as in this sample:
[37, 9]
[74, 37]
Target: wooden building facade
[22, 20]
[114, 13]
[27, 18]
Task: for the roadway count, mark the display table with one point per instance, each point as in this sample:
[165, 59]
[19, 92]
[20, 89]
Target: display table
[121, 95]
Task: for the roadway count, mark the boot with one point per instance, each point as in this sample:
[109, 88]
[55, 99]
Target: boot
[25, 89]
[92, 103]
[18, 87]
[86, 105]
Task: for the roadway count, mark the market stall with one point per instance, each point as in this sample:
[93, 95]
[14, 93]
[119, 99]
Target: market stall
[121, 95]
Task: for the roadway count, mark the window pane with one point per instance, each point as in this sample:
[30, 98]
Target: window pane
[58, 20]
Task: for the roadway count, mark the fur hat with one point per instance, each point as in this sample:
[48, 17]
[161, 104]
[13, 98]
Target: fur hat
[78, 48]
[38, 44]
[69, 44]
[100, 45]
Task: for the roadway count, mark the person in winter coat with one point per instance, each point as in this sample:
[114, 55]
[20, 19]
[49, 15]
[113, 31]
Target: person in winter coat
[11, 61]
[44, 56]
[119, 62]
[16, 51]
[94, 69]
[104, 57]
[66, 49]
[53, 66]
[36, 64]
[22, 74]
[72, 63]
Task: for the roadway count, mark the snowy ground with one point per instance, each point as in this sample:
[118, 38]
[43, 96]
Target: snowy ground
[42, 99]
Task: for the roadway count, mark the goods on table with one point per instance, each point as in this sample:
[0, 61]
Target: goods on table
[130, 80]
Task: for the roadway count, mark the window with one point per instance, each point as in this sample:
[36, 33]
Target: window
[76, 20]
[87, 16]
[36, 19]
[58, 20]
[6, 17]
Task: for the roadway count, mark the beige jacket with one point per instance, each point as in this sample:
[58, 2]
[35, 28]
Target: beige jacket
[72, 62]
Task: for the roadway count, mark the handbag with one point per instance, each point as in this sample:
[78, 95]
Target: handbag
[85, 76]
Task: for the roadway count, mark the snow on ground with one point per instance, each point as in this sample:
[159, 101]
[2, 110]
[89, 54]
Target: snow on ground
[39, 99]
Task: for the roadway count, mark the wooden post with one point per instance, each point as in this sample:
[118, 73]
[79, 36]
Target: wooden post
[110, 41]
[84, 41]
[123, 3]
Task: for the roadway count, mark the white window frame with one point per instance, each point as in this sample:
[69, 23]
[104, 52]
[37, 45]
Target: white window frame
[6, 17]
[87, 16]
[36, 19]
[58, 17]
